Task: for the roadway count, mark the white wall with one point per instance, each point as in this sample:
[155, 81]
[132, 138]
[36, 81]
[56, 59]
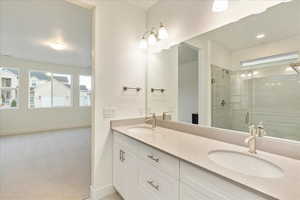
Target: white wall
[220, 55]
[118, 62]
[24, 120]
[188, 83]
[187, 91]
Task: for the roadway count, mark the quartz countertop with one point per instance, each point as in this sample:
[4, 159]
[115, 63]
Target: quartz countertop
[195, 149]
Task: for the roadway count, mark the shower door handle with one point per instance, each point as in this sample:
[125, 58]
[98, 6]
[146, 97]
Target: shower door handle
[247, 118]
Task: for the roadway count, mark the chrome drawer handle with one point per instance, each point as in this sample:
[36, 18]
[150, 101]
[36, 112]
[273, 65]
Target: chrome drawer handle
[151, 183]
[122, 157]
[152, 158]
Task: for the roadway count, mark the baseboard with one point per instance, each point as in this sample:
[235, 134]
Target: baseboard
[99, 193]
[29, 132]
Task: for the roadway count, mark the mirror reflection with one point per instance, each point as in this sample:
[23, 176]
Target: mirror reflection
[232, 79]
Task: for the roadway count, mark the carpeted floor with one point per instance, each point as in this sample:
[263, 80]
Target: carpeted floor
[45, 166]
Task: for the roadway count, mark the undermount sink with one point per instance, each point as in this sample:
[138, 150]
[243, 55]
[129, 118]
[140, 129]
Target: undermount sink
[245, 164]
[141, 129]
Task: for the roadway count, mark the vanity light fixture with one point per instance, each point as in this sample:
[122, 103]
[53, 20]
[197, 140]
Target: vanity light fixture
[150, 38]
[220, 5]
[143, 43]
[163, 32]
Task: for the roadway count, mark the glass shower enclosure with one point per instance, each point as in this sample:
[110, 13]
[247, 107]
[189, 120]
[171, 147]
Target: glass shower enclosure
[270, 95]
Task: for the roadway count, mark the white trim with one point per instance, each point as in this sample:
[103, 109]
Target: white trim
[30, 131]
[98, 193]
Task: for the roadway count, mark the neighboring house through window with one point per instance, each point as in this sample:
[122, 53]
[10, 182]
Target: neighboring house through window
[50, 90]
[85, 84]
[9, 87]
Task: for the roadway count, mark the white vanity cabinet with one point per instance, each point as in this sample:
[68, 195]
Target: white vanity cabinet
[125, 169]
[145, 173]
[205, 185]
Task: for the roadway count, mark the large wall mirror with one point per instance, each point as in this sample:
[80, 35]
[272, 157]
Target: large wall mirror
[244, 73]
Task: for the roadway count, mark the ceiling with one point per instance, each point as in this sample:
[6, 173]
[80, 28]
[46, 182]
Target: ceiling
[27, 28]
[277, 23]
[145, 4]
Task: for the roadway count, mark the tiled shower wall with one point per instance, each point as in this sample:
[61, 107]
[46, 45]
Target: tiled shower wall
[271, 97]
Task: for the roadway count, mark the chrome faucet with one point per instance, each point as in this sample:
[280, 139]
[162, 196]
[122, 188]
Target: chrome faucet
[165, 116]
[153, 120]
[255, 132]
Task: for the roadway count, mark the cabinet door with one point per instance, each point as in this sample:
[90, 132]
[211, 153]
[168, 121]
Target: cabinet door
[118, 169]
[125, 172]
[130, 176]
[187, 193]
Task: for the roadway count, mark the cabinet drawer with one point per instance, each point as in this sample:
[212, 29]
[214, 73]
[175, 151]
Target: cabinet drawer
[156, 185]
[130, 144]
[187, 193]
[214, 185]
[163, 161]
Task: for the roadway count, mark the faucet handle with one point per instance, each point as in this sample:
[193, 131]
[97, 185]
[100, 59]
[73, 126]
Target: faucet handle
[251, 128]
[260, 125]
[165, 115]
[151, 115]
[261, 130]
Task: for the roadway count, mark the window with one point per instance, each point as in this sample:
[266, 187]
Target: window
[85, 84]
[9, 87]
[40, 89]
[62, 87]
[49, 90]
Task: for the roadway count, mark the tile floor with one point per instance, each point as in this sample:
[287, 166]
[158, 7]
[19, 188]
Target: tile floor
[45, 166]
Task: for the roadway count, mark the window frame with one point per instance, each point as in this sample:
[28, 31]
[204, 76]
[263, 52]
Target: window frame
[91, 101]
[52, 89]
[17, 89]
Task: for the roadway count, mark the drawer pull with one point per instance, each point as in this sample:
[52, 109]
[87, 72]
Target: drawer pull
[152, 158]
[122, 158]
[151, 183]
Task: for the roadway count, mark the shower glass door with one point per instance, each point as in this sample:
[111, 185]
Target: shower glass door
[270, 95]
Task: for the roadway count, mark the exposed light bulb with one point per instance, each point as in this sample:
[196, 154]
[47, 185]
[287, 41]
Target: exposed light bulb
[152, 39]
[220, 5]
[163, 32]
[57, 46]
[143, 43]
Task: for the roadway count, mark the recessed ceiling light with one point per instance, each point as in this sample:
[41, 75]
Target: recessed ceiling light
[57, 46]
[260, 36]
[220, 5]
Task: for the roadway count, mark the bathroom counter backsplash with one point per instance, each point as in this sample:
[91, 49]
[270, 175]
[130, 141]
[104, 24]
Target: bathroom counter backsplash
[195, 149]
